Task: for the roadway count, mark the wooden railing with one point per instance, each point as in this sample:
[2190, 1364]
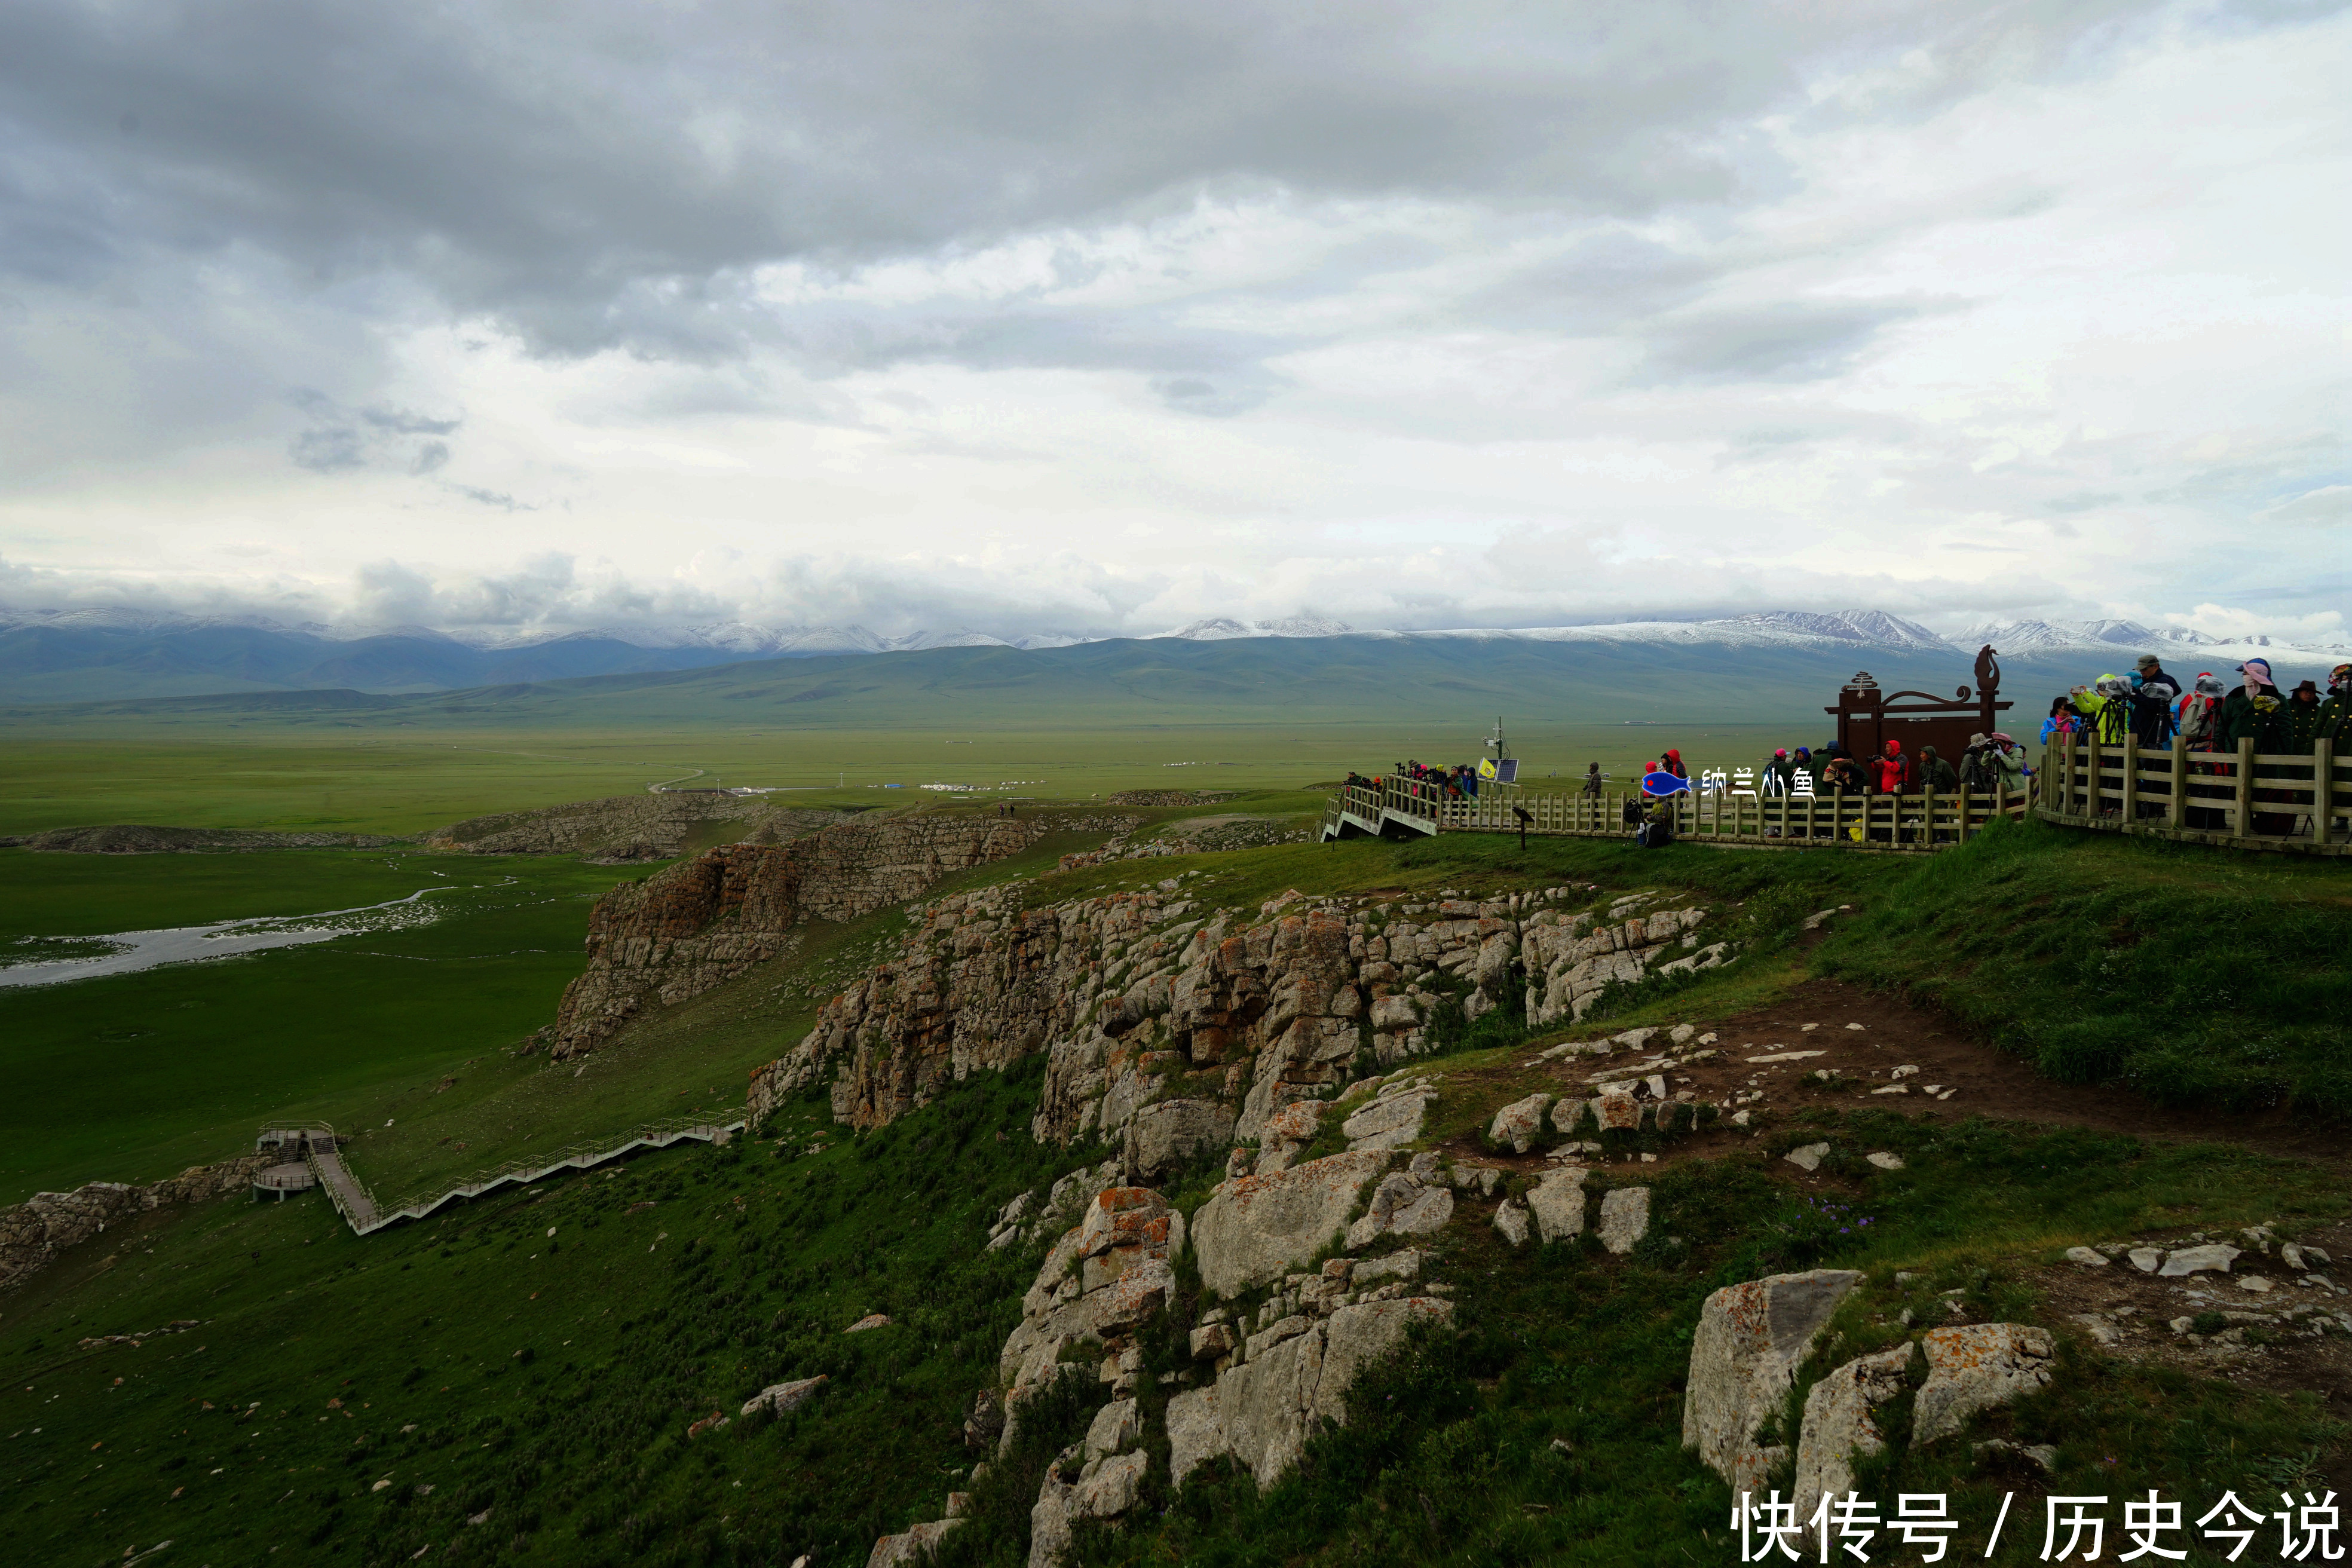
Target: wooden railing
[1926, 820]
[2239, 798]
[360, 1211]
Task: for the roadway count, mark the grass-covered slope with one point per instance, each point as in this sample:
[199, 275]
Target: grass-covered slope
[534, 1363]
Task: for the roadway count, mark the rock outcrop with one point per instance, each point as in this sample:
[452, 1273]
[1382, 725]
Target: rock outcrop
[1751, 1338]
[1257, 1228]
[33, 1234]
[625, 828]
[684, 929]
[1137, 998]
[1570, 962]
[1262, 1413]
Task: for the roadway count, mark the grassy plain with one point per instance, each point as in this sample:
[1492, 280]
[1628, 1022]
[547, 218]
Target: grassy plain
[408, 783]
[132, 1077]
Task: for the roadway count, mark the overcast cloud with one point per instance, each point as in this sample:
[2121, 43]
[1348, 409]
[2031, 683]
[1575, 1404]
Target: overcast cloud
[1094, 317]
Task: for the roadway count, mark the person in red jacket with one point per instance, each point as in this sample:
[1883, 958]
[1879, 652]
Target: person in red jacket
[1892, 770]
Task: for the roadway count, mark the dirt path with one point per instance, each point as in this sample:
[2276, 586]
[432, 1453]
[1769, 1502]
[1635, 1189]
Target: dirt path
[1864, 1037]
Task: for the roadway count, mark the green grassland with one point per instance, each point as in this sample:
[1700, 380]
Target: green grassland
[133, 1077]
[406, 784]
[538, 1358]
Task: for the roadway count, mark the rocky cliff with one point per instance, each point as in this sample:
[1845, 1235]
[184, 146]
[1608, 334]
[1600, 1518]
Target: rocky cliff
[1211, 1023]
[629, 827]
[684, 929]
[33, 1232]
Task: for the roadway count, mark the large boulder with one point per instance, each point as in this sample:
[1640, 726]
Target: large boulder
[1624, 1218]
[1402, 1205]
[1839, 1427]
[1556, 1201]
[784, 1397]
[1518, 1123]
[1744, 1357]
[914, 1546]
[1976, 1367]
[1258, 1228]
[1263, 1411]
[1165, 1136]
[1391, 1122]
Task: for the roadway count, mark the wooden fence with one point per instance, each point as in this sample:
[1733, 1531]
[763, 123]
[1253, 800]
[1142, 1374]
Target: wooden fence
[2240, 799]
[1397, 807]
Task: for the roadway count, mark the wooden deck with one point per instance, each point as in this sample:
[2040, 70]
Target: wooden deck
[2201, 797]
[319, 1147]
[1405, 808]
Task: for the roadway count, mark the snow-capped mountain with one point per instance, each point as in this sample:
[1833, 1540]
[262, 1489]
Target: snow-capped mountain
[1222, 629]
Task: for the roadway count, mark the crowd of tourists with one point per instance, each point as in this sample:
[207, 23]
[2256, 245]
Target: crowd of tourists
[2204, 715]
[2208, 713]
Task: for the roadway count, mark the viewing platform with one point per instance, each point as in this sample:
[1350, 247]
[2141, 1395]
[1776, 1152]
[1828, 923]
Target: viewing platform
[1397, 808]
[2223, 798]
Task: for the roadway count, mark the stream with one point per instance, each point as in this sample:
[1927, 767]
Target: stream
[53, 960]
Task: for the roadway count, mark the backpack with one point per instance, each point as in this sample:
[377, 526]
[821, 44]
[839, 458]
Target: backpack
[1977, 773]
[2199, 719]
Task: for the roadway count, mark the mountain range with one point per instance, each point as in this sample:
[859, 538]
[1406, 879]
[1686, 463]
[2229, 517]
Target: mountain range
[102, 655]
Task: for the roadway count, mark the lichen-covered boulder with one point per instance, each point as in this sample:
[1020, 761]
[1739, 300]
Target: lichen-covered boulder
[1518, 1123]
[1402, 1205]
[1975, 1367]
[1390, 1123]
[1257, 1228]
[1839, 1427]
[1744, 1355]
[1556, 1201]
[1624, 1218]
[1165, 1136]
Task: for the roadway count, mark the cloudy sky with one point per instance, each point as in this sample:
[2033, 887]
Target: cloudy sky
[1098, 316]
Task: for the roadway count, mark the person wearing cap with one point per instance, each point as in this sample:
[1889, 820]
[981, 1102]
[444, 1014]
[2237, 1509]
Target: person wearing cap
[2151, 704]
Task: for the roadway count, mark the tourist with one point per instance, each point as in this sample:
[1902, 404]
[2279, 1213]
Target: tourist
[2303, 719]
[1673, 764]
[1842, 774]
[2110, 710]
[1803, 763]
[2335, 713]
[1978, 771]
[2256, 713]
[2151, 699]
[1935, 773]
[2063, 720]
[1893, 771]
[1593, 781]
[2197, 718]
[1783, 771]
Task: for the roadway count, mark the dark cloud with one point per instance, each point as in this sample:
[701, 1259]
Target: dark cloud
[594, 174]
[341, 439]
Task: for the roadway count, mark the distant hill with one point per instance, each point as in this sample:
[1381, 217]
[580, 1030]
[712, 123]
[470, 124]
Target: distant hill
[98, 655]
[1124, 684]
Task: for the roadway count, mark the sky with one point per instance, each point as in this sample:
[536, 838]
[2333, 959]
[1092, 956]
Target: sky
[1098, 317]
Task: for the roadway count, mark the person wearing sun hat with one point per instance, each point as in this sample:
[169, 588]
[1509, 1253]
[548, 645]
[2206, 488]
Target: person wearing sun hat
[2257, 712]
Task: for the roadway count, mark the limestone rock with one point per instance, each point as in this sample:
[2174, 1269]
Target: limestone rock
[1808, 1158]
[1165, 1136]
[784, 1397]
[1257, 1228]
[1974, 1368]
[1116, 1427]
[1556, 1201]
[1884, 1160]
[1402, 1207]
[867, 1323]
[1838, 1426]
[2087, 1256]
[1262, 1410]
[1511, 1221]
[914, 1546]
[1520, 1122]
[1391, 1122]
[2184, 1261]
[1749, 1341]
[2147, 1260]
[1110, 1490]
[1624, 1218]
